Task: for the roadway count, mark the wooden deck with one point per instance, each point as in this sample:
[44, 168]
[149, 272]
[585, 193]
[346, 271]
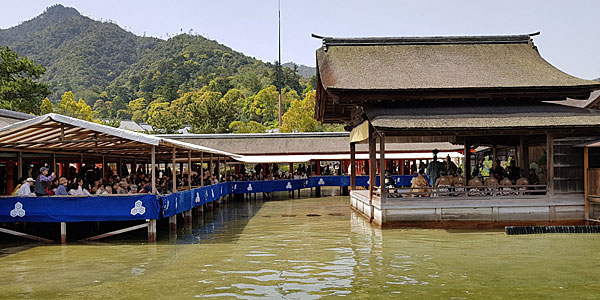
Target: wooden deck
[476, 212]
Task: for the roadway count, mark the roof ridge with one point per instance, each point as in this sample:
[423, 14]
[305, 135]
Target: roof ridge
[425, 40]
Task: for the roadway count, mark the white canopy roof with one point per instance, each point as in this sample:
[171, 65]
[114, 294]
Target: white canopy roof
[54, 132]
[333, 157]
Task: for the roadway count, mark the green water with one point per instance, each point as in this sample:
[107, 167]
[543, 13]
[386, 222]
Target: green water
[274, 250]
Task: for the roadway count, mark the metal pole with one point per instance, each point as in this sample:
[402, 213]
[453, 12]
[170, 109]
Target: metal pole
[279, 60]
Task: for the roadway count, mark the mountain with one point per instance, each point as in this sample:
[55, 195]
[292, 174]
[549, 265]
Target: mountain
[101, 61]
[302, 70]
[79, 53]
[597, 79]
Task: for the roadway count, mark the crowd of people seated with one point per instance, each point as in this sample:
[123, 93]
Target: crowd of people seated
[446, 178]
[91, 180]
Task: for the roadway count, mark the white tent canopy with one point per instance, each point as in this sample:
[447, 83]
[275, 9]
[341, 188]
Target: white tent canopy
[58, 133]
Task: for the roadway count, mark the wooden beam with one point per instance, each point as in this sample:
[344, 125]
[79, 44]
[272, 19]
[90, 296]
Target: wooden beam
[189, 162]
[372, 162]
[467, 155]
[550, 163]
[113, 233]
[586, 184]
[25, 235]
[382, 188]
[202, 169]
[153, 166]
[353, 166]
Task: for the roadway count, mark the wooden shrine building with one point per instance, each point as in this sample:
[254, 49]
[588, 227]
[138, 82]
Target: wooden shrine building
[490, 91]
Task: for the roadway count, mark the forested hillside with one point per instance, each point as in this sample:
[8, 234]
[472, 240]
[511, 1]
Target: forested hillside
[184, 80]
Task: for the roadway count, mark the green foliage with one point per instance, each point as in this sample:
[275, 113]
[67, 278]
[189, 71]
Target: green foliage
[138, 110]
[76, 109]
[161, 118]
[250, 127]
[46, 107]
[211, 114]
[184, 80]
[19, 89]
[300, 116]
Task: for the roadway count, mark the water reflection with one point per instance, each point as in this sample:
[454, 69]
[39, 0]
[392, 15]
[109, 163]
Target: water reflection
[274, 250]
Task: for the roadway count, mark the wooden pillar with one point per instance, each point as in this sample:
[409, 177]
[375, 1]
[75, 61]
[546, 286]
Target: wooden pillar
[467, 155]
[372, 162]
[521, 153]
[210, 168]
[120, 168]
[586, 183]
[63, 232]
[19, 165]
[219, 168]
[202, 168]
[189, 170]
[318, 167]
[151, 231]
[550, 163]
[153, 168]
[173, 171]
[291, 168]
[382, 167]
[353, 166]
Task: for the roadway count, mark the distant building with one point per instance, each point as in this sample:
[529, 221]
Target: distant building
[8, 117]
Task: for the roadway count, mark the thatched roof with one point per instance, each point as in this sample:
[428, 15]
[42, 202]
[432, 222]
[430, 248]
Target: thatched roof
[310, 144]
[439, 66]
[462, 118]
[591, 102]
[359, 70]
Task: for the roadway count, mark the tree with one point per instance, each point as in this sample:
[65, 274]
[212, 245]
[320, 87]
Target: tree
[46, 107]
[212, 114]
[19, 89]
[77, 109]
[162, 118]
[138, 108]
[250, 127]
[300, 116]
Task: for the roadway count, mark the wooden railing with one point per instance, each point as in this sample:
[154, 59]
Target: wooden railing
[466, 191]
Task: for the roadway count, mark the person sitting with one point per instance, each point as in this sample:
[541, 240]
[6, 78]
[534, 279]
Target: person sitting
[25, 188]
[15, 191]
[491, 183]
[522, 182]
[506, 184]
[458, 182]
[475, 184]
[78, 189]
[418, 185]
[122, 189]
[443, 183]
[107, 190]
[61, 190]
[533, 178]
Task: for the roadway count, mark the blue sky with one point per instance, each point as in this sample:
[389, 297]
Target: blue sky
[570, 36]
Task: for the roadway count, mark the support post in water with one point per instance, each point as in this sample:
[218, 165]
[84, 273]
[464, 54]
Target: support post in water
[63, 232]
[151, 231]
[382, 188]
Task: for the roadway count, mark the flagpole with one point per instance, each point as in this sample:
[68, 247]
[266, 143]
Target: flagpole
[279, 60]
